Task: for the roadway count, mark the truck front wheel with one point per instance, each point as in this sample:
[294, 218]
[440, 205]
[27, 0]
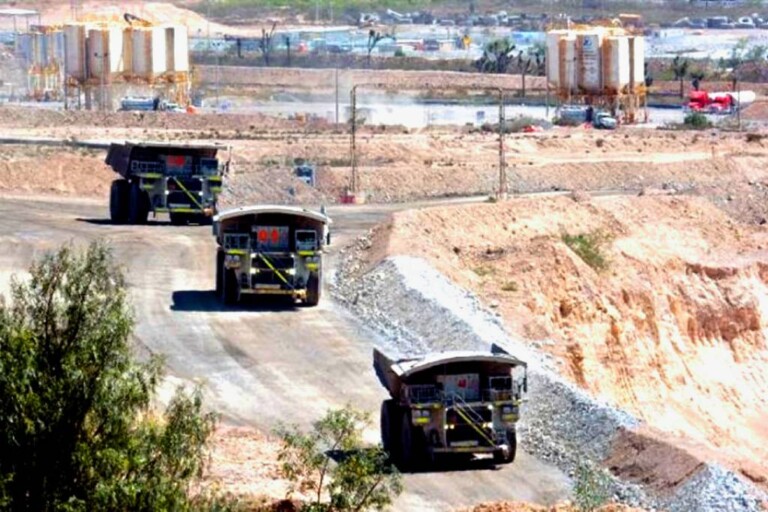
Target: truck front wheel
[139, 205]
[119, 196]
[219, 274]
[500, 457]
[231, 288]
[413, 445]
[390, 435]
[314, 289]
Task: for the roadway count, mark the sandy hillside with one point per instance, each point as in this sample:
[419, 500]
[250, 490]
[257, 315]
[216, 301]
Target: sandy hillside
[673, 330]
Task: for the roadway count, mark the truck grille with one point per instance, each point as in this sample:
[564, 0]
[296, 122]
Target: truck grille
[461, 431]
[279, 262]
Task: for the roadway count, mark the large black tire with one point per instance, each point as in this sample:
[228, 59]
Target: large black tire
[314, 289]
[413, 446]
[390, 434]
[138, 209]
[231, 288]
[220, 274]
[119, 196]
[499, 457]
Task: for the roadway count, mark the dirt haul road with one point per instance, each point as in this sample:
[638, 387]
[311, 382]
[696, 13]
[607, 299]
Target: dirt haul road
[261, 366]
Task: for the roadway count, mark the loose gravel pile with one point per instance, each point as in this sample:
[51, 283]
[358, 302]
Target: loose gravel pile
[417, 309]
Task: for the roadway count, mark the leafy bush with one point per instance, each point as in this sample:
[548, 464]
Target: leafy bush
[332, 464]
[589, 247]
[77, 429]
[510, 286]
[592, 488]
[697, 120]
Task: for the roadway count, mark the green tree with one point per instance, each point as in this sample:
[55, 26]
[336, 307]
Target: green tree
[78, 431]
[332, 464]
[680, 69]
[497, 56]
[374, 38]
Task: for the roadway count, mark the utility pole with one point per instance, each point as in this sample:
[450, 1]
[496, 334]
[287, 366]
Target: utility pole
[738, 103]
[336, 74]
[502, 158]
[353, 148]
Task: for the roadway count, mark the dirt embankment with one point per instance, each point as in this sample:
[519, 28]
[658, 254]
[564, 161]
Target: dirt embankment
[55, 171]
[400, 165]
[672, 331]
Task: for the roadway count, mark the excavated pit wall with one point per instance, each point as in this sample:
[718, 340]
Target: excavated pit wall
[418, 309]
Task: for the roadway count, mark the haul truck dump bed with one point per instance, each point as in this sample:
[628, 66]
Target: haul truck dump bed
[270, 250]
[182, 180]
[450, 402]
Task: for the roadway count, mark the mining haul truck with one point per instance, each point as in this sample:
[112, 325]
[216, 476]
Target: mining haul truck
[270, 250]
[182, 180]
[450, 403]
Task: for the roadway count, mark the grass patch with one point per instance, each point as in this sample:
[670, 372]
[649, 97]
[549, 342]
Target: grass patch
[589, 247]
[697, 121]
[510, 286]
[483, 271]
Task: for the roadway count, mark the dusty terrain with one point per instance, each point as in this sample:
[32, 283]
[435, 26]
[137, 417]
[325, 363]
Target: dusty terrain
[672, 331]
[399, 165]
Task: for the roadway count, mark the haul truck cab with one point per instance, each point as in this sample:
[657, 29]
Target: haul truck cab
[270, 250]
[180, 179]
[450, 402]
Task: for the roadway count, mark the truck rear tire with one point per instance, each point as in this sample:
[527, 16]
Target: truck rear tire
[231, 288]
[390, 435]
[314, 289]
[119, 197]
[139, 205]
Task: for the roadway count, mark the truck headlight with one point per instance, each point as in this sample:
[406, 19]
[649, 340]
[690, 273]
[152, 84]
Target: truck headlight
[421, 416]
[509, 413]
[290, 271]
[232, 261]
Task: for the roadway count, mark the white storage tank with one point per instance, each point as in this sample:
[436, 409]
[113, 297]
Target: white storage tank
[637, 61]
[55, 46]
[128, 51]
[553, 55]
[105, 51]
[177, 48]
[567, 63]
[590, 68]
[149, 52]
[74, 51]
[617, 65]
[38, 49]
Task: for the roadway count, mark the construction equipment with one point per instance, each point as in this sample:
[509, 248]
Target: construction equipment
[270, 250]
[182, 180]
[448, 403]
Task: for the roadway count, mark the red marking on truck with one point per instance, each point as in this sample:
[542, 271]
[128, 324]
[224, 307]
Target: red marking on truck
[176, 160]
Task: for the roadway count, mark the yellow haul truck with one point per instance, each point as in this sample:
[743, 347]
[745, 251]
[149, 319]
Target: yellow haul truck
[182, 180]
[450, 403]
[270, 250]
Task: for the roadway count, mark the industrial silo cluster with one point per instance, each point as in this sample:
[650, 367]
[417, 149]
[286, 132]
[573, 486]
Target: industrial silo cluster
[79, 55]
[595, 61]
[141, 53]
